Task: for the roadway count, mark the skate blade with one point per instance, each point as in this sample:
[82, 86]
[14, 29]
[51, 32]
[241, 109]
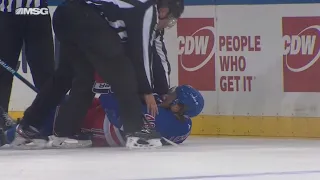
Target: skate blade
[132, 143]
[25, 144]
[35, 144]
[170, 142]
[66, 143]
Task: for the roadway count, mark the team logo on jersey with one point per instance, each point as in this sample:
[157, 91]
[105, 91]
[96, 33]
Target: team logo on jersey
[196, 53]
[150, 121]
[301, 55]
[100, 86]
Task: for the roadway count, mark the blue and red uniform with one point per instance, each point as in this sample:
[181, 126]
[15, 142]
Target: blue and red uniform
[104, 123]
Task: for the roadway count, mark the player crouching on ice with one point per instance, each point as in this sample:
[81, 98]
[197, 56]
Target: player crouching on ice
[104, 126]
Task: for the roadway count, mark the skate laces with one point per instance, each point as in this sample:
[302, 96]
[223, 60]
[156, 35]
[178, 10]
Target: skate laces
[146, 130]
[7, 119]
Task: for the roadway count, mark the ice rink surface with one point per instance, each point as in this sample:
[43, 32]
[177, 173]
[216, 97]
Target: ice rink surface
[199, 158]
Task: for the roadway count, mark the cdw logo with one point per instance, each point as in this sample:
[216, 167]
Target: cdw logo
[303, 46]
[199, 44]
[196, 44]
[296, 44]
[301, 54]
[196, 52]
[32, 11]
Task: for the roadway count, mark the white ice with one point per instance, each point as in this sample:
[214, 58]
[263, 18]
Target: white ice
[199, 158]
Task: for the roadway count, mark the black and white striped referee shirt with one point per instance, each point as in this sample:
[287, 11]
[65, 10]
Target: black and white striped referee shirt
[161, 66]
[135, 22]
[11, 5]
[161, 52]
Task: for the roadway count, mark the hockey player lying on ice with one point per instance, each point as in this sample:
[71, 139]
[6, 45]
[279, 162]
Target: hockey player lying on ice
[102, 121]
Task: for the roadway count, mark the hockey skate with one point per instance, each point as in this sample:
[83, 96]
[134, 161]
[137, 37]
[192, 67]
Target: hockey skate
[3, 140]
[6, 122]
[28, 137]
[80, 140]
[144, 139]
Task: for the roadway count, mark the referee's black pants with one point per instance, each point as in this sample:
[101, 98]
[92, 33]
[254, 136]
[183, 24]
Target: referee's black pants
[88, 45]
[36, 33]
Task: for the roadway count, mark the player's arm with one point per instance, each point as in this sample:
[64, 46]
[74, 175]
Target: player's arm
[140, 24]
[171, 126]
[183, 132]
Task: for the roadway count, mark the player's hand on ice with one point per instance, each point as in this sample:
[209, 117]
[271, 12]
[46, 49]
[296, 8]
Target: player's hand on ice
[151, 104]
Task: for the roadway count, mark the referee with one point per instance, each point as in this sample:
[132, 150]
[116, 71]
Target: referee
[32, 29]
[93, 37]
[160, 65]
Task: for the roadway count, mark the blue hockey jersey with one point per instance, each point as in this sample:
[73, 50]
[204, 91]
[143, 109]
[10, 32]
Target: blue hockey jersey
[165, 122]
[105, 124]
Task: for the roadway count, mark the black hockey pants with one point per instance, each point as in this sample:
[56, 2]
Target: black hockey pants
[87, 45]
[36, 33]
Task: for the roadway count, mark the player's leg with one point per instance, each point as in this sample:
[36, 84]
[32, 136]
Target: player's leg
[7, 128]
[94, 124]
[72, 112]
[52, 93]
[39, 48]
[7, 136]
[10, 46]
[6, 122]
[104, 50]
[50, 96]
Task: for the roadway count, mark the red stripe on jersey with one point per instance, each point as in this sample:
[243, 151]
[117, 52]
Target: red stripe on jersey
[98, 78]
[114, 135]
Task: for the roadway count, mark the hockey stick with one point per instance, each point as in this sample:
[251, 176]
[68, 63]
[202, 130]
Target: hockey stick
[16, 74]
[170, 142]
